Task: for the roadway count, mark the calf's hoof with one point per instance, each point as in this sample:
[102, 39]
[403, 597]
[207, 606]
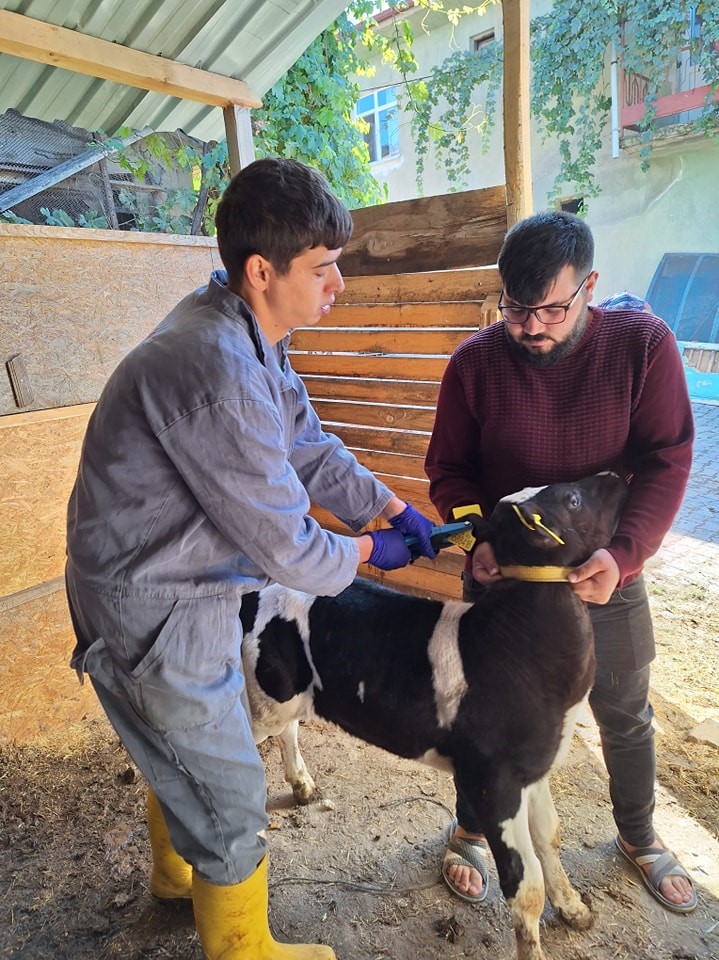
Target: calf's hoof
[577, 915]
[304, 791]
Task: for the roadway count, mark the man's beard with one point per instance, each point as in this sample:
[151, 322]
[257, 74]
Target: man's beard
[557, 352]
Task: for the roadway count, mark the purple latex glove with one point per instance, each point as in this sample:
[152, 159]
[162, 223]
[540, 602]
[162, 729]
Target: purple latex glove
[413, 524]
[389, 551]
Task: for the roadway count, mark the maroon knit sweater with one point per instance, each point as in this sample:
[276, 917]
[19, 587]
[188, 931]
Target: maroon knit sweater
[618, 401]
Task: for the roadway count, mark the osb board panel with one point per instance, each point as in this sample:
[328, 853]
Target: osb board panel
[74, 302]
[39, 460]
[41, 694]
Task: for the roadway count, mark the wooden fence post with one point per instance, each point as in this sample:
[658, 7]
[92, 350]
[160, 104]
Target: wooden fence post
[517, 146]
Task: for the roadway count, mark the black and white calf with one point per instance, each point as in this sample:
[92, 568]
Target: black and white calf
[487, 690]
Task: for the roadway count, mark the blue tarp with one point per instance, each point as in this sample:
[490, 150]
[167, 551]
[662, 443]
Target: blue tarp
[702, 386]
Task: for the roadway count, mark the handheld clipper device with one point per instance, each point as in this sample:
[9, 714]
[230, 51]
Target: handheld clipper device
[443, 535]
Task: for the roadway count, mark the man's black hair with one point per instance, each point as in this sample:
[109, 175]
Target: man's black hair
[537, 248]
[278, 208]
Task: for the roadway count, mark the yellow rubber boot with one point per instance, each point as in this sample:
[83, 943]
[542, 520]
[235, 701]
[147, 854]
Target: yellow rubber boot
[232, 922]
[171, 877]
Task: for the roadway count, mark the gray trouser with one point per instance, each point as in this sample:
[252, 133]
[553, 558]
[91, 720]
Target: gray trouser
[169, 677]
[619, 700]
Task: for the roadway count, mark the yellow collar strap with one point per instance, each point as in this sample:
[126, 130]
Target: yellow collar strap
[540, 574]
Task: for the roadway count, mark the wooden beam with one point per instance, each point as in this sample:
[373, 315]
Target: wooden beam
[238, 131]
[430, 233]
[517, 146]
[31, 39]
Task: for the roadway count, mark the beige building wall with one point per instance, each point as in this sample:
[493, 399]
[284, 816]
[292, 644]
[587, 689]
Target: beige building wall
[638, 216]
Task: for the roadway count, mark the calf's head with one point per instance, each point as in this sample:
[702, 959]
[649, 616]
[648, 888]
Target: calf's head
[560, 524]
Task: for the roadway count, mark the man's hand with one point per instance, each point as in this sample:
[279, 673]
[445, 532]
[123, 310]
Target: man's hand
[485, 568]
[597, 578]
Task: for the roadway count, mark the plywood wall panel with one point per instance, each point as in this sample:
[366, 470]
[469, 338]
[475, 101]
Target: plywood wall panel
[41, 694]
[39, 454]
[74, 302]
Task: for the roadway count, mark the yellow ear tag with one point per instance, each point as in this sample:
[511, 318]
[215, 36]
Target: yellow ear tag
[466, 540]
[521, 518]
[538, 522]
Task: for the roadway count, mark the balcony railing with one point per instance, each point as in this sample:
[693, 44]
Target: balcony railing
[681, 96]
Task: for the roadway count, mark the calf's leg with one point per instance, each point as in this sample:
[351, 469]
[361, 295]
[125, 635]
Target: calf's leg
[520, 877]
[296, 772]
[544, 828]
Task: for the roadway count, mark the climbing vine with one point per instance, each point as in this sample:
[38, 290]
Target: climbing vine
[310, 113]
[570, 47]
[568, 87]
[570, 92]
[445, 108]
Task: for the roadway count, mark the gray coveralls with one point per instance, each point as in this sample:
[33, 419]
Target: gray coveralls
[194, 485]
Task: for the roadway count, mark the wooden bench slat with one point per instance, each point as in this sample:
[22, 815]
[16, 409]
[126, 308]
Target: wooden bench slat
[399, 392]
[422, 582]
[392, 464]
[380, 342]
[467, 314]
[471, 283]
[369, 367]
[329, 521]
[384, 441]
[333, 412]
[415, 492]
[448, 231]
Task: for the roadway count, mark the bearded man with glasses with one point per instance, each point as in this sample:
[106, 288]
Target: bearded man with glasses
[556, 391]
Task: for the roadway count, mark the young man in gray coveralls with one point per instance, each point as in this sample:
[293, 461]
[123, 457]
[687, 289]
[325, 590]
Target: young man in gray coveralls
[194, 486]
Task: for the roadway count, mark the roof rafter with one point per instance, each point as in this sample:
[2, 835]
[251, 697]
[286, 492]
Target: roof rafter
[22, 36]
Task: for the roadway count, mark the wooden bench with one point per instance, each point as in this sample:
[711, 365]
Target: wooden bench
[420, 278]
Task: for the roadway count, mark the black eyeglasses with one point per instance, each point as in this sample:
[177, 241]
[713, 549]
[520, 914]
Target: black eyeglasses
[551, 314]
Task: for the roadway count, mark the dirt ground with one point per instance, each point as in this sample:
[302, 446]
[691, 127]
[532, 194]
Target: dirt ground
[360, 870]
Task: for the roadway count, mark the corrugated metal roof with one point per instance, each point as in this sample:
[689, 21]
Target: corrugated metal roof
[251, 40]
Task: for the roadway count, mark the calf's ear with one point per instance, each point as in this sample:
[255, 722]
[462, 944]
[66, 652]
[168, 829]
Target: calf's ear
[480, 526]
[471, 512]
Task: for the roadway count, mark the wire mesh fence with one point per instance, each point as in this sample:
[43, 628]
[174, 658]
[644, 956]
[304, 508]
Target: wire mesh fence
[60, 175]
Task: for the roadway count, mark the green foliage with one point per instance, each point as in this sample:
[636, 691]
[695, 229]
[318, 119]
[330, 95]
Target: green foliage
[7, 216]
[309, 115]
[61, 218]
[444, 109]
[58, 218]
[708, 61]
[174, 214]
[568, 90]
[570, 94]
[92, 220]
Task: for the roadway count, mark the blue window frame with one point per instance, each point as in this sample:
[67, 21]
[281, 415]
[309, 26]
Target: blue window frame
[379, 109]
